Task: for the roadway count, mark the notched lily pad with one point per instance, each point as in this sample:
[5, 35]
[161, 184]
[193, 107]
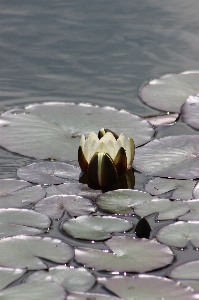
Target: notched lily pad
[71, 279]
[95, 227]
[9, 275]
[15, 221]
[193, 214]
[188, 270]
[179, 234]
[190, 111]
[165, 208]
[8, 186]
[49, 172]
[23, 251]
[22, 197]
[148, 287]
[181, 189]
[52, 130]
[173, 156]
[73, 188]
[130, 255]
[170, 91]
[54, 206]
[122, 201]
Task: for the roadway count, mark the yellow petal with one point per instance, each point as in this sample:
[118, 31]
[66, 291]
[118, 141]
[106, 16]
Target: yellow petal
[120, 161]
[130, 152]
[82, 160]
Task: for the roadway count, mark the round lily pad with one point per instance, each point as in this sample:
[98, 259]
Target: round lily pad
[190, 111]
[165, 208]
[90, 296]
[148, 287]
[196, 191]
[170, 91]
[122, 201]
[73, 188]
[23, 251]
[11, 185]
[182, 189]
[52, 130]
[22, 197]
[95, 227]
[130, 255]
[179, 234]
[193, 214]
[173, 156]
[162, 119]
[15, 221]
[54, 206]
[71, 279]
[8, 275]
[49, 172]
[188, 270]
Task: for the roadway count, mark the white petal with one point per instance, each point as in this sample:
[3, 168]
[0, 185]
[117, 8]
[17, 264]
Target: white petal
[103, 148]
[111, 148]
[82, 142]
[130, 151]
[92, 149]
[118, 145]
[108, 137]
[86, 150]
[123, 140]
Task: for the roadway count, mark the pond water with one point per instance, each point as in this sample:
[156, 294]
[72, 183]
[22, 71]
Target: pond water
[97, 52]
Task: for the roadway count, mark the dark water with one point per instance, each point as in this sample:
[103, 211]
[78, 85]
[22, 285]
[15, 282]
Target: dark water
[99, 52]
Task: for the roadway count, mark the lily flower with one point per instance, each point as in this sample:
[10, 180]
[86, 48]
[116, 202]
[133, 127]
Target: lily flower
[105, 157]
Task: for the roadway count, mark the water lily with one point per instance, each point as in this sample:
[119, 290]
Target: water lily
[105, 157]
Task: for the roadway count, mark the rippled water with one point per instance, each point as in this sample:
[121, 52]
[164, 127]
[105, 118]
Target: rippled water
[99, 52]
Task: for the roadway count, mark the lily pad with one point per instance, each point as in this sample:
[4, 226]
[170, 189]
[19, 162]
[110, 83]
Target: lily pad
[165, 208]
[162, 119]
[193, 214]
[52, 130]
[49, 172]
[188, 270]
[9, 275]
[182, 189]
[90, 296]
[170, 91]
[147, 287]
[95, 227]
[190, 111]
[34, 291]
[130, 255]
[8, 186]
[193, 284]
[173, 156]
[179, 234]
[122, 201]
[15, 221]
[22, 197]
[54, 206]
[196, 191]
[23, 251]
[73, 188]
[71, 279]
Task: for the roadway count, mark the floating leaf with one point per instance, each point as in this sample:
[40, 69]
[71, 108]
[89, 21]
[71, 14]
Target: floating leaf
[162, 119]
[15, 221]
[190, 111]
[8, 275]
[193, 284]
[188, 270]
[130, 255]
[54, 206]
[90, 296]
[49, 172]
[8, 186]
[173, 156]
[73, 188]
[143, 229]
[22, 251]
[182, 189]
[179, 234]
[34, 291]
[165, 208]
[71, 279]
[193, 214]
[121, 201]
[50, 130]
[170, 91]
[196, 191]
[147, 287]
[22, 197]
[95, 227]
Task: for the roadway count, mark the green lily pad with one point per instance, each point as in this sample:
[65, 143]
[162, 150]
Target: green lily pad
[170, 91]
[15, 221]
[71, 279]
[193, 214]
[162, 119]
[11, 185]
[95, 227]
[23, 251]
[173, 156]
[188, 270]
[122, 201]
[182, 189]
[52, 130]
[165, 208]
[190, 111]
[179, 234]
[130, 255]
[90, 296]
[196, 191]
[147, 287]
[54, 206]
[9, 275]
